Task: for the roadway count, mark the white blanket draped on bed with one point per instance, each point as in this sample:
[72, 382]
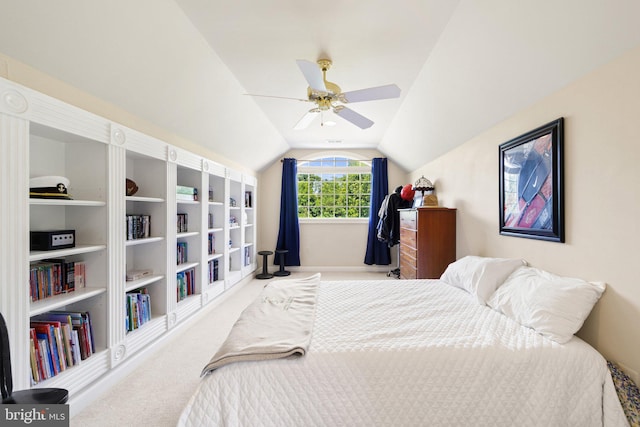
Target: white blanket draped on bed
[412, 353]
[276, 325]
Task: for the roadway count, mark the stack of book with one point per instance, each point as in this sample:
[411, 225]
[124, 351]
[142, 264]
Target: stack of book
[184, 193]
[247, 256]
[211, 244]
[58, 341]
[213, 270]
[138, 227]
[182, 223]
[182, 252]
[186, 283]
[138, 309]
[55, 276]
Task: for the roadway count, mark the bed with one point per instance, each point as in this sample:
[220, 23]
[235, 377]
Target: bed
[413, 352]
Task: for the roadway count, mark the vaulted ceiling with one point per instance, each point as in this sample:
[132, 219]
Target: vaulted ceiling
[187, 65]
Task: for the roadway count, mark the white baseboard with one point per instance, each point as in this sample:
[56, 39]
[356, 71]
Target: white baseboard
[348, 268]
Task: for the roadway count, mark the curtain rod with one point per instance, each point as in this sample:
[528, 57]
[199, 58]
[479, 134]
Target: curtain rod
[315, 160]
[300, 160]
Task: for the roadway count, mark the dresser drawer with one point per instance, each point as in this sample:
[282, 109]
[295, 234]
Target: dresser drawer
[408, 237]
[407, 271]
[408, 257]
[408, 219]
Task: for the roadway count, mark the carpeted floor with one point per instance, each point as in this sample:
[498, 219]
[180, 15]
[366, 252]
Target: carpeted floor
[156, 393]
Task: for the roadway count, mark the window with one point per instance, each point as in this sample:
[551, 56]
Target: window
[334, 187]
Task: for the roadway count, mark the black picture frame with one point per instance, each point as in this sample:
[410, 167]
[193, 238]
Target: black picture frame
[531, 184]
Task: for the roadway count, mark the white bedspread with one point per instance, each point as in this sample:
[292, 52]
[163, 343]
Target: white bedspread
[416, 353]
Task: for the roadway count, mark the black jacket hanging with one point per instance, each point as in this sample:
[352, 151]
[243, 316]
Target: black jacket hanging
[389, 222]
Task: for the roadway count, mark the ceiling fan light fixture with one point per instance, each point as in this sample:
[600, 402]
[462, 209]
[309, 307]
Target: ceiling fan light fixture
[328, 96]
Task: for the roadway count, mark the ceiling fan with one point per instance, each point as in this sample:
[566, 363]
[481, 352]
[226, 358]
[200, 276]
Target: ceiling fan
[328, 96]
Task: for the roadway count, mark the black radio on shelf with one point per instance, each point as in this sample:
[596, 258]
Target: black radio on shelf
[51, 240]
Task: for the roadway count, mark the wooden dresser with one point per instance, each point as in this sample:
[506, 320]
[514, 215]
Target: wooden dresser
[427, 242]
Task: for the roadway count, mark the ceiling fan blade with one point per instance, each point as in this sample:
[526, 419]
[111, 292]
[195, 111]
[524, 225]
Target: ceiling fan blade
[371, 94]
[279, 97]
[306, 120]
[312, 74]
[351, 116]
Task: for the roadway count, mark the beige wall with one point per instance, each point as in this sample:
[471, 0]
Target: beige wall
[324, 245]
[602, 207]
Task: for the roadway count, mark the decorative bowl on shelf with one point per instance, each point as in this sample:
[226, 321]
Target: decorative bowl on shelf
[131, 187]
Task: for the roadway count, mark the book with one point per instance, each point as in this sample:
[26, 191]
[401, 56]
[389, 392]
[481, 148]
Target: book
[75, 346]
[183, 189]
[54, 276]
[181, 252]
[138, 274]
[79, 274]
[138, 227]
[138, 309]
[185, 284]
[39, 371]
[35, 376]
[65, 275]
[64, 321]
[81, 322]
[213, 270]
[45, 356]
[44, 332]
[182, 223]
[211, 244]
[186, 197]
[186, 193]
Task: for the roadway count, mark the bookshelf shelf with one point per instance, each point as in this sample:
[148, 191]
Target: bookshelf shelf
[186, 266]
[144, 199]
[136, 284]
[54, 202]
[59, 301]
[148, 240]
[187, 234]
[61, 253]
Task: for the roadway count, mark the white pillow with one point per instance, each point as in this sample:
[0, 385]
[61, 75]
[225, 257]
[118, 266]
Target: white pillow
[480, 276]
[553, 306]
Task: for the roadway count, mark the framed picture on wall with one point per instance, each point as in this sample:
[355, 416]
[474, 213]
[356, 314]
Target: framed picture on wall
[531, 187]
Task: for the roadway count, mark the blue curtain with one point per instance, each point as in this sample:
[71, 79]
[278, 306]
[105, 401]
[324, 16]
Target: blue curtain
[289, 233]
[377, 251]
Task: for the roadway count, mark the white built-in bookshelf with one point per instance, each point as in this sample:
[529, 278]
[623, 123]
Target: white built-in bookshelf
[116, 234]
